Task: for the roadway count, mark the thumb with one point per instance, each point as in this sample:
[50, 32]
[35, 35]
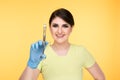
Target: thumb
[43, 56]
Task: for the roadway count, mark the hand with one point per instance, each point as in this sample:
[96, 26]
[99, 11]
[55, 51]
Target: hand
[36, 54]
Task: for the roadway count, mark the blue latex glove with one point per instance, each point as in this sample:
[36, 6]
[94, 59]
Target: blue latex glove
[36, 54]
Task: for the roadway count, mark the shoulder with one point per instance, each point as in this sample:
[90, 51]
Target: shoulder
[80, 50]
[78, 47]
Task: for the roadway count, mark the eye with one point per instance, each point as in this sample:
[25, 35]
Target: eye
[65, 25]
[55, 25]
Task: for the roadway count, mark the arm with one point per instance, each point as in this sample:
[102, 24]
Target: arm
[96, 72]
[36, 56]
[29, 74]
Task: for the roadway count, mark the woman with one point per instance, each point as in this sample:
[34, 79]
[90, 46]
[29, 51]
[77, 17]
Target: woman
[61, 60]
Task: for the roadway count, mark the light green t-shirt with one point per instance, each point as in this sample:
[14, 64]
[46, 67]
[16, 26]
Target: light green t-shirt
[68, 67]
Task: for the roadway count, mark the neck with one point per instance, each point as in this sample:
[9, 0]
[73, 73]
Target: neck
[61, 46]
[61, 49]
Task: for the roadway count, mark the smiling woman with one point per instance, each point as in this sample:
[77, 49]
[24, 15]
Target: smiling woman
[60, 30]
[61, 55]
[97, 27]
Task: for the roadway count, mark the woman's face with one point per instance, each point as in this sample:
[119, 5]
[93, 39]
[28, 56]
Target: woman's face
[60, 30]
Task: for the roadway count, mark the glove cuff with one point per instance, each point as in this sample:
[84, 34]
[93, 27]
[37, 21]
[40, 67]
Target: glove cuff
[32, 64]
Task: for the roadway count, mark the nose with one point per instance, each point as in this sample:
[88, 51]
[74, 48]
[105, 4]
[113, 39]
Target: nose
[59, 30]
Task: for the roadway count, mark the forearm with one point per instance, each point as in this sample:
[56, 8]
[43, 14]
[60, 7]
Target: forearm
[96, 72]
[100, 78]
[29, 74]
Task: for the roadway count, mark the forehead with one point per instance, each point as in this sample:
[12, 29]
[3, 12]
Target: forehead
[58, 20]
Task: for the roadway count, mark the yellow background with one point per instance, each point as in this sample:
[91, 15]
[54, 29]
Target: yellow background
[97, 26]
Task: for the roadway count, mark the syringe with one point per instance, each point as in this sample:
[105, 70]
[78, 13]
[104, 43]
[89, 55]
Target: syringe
[44, 36]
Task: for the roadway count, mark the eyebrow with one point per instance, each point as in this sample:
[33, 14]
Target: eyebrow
[62, 24]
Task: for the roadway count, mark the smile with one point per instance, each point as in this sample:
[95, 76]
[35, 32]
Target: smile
[60, 36]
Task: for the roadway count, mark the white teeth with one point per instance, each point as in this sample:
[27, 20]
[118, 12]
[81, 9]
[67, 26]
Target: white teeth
[60, 36]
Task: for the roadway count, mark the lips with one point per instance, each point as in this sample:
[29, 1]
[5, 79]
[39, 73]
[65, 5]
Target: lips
[60, 35]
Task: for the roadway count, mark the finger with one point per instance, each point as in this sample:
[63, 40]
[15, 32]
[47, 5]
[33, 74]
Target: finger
[43, 56]
[40, 43]
[36, 45]
[32, 46]
[46, 43]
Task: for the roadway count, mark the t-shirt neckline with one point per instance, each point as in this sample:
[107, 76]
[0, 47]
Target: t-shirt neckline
[68, 52]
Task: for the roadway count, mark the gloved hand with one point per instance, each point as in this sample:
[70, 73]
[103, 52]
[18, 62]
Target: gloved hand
[36, 54]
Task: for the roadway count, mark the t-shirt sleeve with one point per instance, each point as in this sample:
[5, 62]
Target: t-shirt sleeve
[88, 59]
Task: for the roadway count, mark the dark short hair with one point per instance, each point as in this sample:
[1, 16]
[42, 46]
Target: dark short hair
[63, 14]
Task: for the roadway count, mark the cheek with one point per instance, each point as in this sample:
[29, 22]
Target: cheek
[52, 31]
[68, 31]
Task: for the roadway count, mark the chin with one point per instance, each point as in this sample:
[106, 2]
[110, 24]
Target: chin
[60, 41]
